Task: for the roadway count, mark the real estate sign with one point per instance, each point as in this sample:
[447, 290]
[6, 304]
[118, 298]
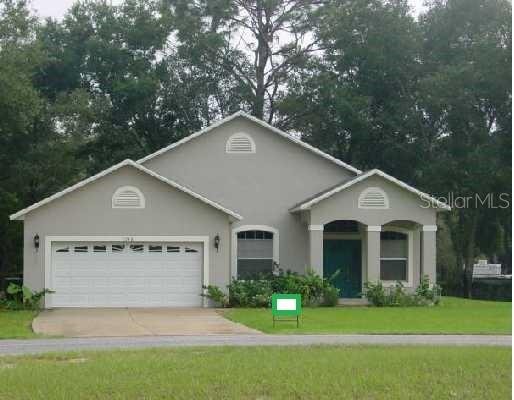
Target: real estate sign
[286, 305]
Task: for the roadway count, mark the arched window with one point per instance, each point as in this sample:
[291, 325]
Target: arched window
[254, 251]
[373, 198]
[240, 143]
[128, 197]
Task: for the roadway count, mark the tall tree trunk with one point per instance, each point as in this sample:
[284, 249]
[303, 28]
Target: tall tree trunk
[469, 254]
[261, 59]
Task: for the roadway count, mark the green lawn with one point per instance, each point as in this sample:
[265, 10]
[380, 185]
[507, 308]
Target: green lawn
[16, 324]
[453, 315]
[318, 372]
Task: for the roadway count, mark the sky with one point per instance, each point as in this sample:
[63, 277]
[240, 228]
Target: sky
[57, 8]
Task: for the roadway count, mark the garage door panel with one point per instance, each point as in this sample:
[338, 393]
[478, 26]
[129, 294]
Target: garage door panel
[115, 275]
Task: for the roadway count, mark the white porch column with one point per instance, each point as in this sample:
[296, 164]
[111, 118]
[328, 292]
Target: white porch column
[316, 248]
[373, 252]
[428, 252]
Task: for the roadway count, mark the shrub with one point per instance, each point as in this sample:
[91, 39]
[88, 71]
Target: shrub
[216, 294]
[492, 289]
[330, 295]
[375, 294]
[250, 293]
[424, 291]
[396, 296]
[257, 292]
[22, 298]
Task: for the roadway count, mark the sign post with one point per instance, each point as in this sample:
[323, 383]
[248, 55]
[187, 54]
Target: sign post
[286, 305]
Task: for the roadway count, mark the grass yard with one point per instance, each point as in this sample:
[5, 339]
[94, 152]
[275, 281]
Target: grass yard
[320, 372]
[16, 324]
[453, 315]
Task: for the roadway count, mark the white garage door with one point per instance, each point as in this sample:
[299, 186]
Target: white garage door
[107, 274]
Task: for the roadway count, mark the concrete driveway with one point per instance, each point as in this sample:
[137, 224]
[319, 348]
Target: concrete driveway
[120, 322]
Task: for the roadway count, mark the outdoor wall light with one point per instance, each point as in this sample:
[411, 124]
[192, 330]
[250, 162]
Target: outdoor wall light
[217, 242]
[36, 241]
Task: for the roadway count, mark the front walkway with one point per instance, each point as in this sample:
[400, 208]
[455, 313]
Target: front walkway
[132, 322]
[14, 347]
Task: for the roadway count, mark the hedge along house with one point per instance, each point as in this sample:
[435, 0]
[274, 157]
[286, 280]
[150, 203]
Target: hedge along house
[226, 202]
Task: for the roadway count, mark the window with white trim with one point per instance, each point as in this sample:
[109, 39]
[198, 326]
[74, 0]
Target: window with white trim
[137, 248]
[99, 248]
[373, 198]
[394, 255]
[254, 254]
[128, 197]
[118, 248]
[240, 143]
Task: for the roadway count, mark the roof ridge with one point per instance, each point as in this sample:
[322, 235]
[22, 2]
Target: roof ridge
[260, 122]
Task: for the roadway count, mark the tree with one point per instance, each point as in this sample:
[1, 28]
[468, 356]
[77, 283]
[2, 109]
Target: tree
[34, 156]
[118, 86]
[258, 42]
[466, 99]
[358, 100]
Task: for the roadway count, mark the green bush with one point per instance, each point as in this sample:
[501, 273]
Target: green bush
[330, 295]
[314, 290]
[22, 298]
[216, 294]
[396, 296]
[492, 289]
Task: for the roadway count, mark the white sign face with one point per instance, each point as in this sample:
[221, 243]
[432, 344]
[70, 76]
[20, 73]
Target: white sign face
[286, 304]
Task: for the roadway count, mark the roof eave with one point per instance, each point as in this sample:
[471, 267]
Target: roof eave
[440, 206]
[20, 214]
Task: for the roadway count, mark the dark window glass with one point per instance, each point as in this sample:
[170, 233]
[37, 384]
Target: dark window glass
[137, 248]
[393, 270]
[190, 250]
[155, 248]
[268, 235]
[116, 248]
[173, 249]
[342, 226]
[80, 249]
[99, 249]
[389, 235]
[253, 268]
[63, 249]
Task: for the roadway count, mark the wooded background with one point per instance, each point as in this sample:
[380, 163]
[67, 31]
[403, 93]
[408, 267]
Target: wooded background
[426, 99]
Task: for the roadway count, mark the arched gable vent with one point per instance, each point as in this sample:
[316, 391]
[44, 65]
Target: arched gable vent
[128, 197]
[373, 198]
[240, 143]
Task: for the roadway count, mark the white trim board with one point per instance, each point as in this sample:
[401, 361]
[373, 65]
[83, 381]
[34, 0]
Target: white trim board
[124, 238]
[308, 204]
[258, 122]
[410, 256]
[233, 244]
[21, 213]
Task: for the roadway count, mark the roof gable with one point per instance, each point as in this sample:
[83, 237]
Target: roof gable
[310, 202]
[258, 122]
[19, 215]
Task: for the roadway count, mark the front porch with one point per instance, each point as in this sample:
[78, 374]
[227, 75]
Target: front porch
[372, 228]
[357, 253]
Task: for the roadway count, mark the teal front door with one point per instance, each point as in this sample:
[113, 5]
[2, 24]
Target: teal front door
[345, 256]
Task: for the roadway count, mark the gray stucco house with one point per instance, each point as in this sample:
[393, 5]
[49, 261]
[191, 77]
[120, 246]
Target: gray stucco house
[228, 201]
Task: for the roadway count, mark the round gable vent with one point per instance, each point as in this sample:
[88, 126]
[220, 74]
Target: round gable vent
[128, 197]
[373, 198]
[240, 143]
